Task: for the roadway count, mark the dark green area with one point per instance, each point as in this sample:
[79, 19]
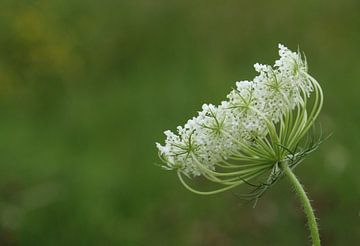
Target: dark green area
[88, 87]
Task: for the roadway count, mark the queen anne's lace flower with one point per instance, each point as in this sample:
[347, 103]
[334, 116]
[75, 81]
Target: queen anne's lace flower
[260, 124]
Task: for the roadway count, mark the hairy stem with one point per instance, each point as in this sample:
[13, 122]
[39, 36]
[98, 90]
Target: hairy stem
[306, 204]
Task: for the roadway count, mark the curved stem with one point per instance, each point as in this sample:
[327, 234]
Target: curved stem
[305, 202]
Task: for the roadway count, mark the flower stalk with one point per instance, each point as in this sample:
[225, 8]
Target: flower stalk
[299, 189]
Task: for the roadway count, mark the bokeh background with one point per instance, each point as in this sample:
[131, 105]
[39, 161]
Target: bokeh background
[88, 87]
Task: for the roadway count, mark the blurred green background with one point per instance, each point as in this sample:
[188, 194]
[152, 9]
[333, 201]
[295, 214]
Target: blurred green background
[88, 87]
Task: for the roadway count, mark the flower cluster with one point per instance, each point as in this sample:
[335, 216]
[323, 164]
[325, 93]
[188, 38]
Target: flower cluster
[245, 133]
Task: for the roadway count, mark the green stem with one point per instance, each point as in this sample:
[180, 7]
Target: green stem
[305, 202]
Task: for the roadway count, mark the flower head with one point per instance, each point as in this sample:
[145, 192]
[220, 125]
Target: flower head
[262, 123]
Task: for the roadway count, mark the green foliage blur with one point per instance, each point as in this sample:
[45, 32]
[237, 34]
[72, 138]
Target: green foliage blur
[88, 87]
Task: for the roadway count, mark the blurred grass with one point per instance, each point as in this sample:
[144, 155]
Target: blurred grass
[87, 87]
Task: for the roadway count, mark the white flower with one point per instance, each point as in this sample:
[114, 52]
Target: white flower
[249, 127]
